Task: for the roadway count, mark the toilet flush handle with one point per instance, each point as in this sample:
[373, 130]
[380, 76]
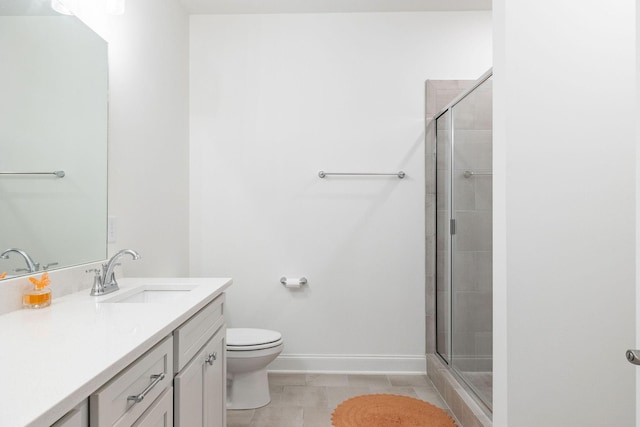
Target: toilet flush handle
[211, 358]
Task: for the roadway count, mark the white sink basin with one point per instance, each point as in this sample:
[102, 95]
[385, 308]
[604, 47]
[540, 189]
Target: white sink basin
[151, 294]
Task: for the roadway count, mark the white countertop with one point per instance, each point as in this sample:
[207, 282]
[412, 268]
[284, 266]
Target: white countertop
[53, 358]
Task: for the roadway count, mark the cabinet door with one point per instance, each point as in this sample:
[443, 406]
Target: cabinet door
[160, 413]
[200, 389]
[215, 383]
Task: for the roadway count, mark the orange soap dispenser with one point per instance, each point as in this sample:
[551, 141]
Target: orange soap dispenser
[40, 295]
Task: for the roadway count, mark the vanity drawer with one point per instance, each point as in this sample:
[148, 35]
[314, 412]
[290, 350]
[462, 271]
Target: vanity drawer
[146, 378]
[195, 332]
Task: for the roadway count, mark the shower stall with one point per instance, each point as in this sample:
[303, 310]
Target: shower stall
[463, 239]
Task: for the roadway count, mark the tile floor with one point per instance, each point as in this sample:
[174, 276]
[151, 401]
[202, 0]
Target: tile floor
[307, 400]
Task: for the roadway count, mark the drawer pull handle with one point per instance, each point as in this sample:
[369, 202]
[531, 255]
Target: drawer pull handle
[139, 398]
[211, 358]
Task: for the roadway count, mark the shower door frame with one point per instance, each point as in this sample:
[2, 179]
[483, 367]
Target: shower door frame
[451, 220]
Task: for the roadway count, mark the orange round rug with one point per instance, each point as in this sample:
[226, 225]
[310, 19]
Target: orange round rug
[388, 410]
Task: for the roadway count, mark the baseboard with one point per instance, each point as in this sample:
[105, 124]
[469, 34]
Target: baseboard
[347, 363]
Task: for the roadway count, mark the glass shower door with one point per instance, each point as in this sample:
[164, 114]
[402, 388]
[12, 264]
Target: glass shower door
[471, 241]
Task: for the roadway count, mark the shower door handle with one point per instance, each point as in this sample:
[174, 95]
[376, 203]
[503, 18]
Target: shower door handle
[633, 356]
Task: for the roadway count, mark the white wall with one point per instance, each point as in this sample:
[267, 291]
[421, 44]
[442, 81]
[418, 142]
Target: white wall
[148, 131]
[564, 176]
[148, 135]
[275, 99]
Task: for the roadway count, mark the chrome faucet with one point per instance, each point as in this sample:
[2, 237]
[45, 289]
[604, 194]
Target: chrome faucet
[105, 283]
[31, 266]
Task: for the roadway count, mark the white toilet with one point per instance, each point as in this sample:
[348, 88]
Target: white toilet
[249, 351]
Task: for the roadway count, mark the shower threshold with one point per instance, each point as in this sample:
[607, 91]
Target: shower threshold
[460, 400]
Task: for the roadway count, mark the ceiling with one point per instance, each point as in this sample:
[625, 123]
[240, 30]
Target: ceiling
[201, 7]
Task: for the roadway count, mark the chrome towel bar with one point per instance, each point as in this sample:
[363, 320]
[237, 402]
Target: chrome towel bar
[59, 174]
[323, 174]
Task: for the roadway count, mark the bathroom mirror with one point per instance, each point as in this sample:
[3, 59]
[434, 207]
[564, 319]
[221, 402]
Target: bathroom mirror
[53, 118]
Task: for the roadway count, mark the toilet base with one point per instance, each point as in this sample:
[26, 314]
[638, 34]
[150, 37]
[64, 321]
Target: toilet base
[248, 390]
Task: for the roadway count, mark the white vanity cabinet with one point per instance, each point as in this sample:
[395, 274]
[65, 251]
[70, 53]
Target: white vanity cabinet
[126, 398]
[181, 381]
[120, 355]
[200, 385]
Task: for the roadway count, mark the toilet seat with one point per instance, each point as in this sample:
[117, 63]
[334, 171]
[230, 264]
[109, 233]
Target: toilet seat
[248, 339]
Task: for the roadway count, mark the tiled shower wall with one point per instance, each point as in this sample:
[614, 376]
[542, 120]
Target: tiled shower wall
[472, 268]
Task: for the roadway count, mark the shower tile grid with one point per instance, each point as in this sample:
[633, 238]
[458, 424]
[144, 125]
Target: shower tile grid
[307, 400]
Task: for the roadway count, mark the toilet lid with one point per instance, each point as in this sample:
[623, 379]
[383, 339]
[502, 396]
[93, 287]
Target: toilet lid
[247, 337]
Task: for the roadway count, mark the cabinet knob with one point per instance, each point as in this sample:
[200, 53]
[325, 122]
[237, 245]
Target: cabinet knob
[211, 358]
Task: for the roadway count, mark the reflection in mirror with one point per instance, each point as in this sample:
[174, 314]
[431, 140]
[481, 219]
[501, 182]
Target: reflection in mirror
[53, 118]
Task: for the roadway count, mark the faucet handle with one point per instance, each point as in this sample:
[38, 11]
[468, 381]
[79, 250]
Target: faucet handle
[51, 264]
[97, 274]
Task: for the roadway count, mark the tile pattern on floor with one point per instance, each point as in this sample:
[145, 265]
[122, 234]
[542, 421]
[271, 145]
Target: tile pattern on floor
[307, 400]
